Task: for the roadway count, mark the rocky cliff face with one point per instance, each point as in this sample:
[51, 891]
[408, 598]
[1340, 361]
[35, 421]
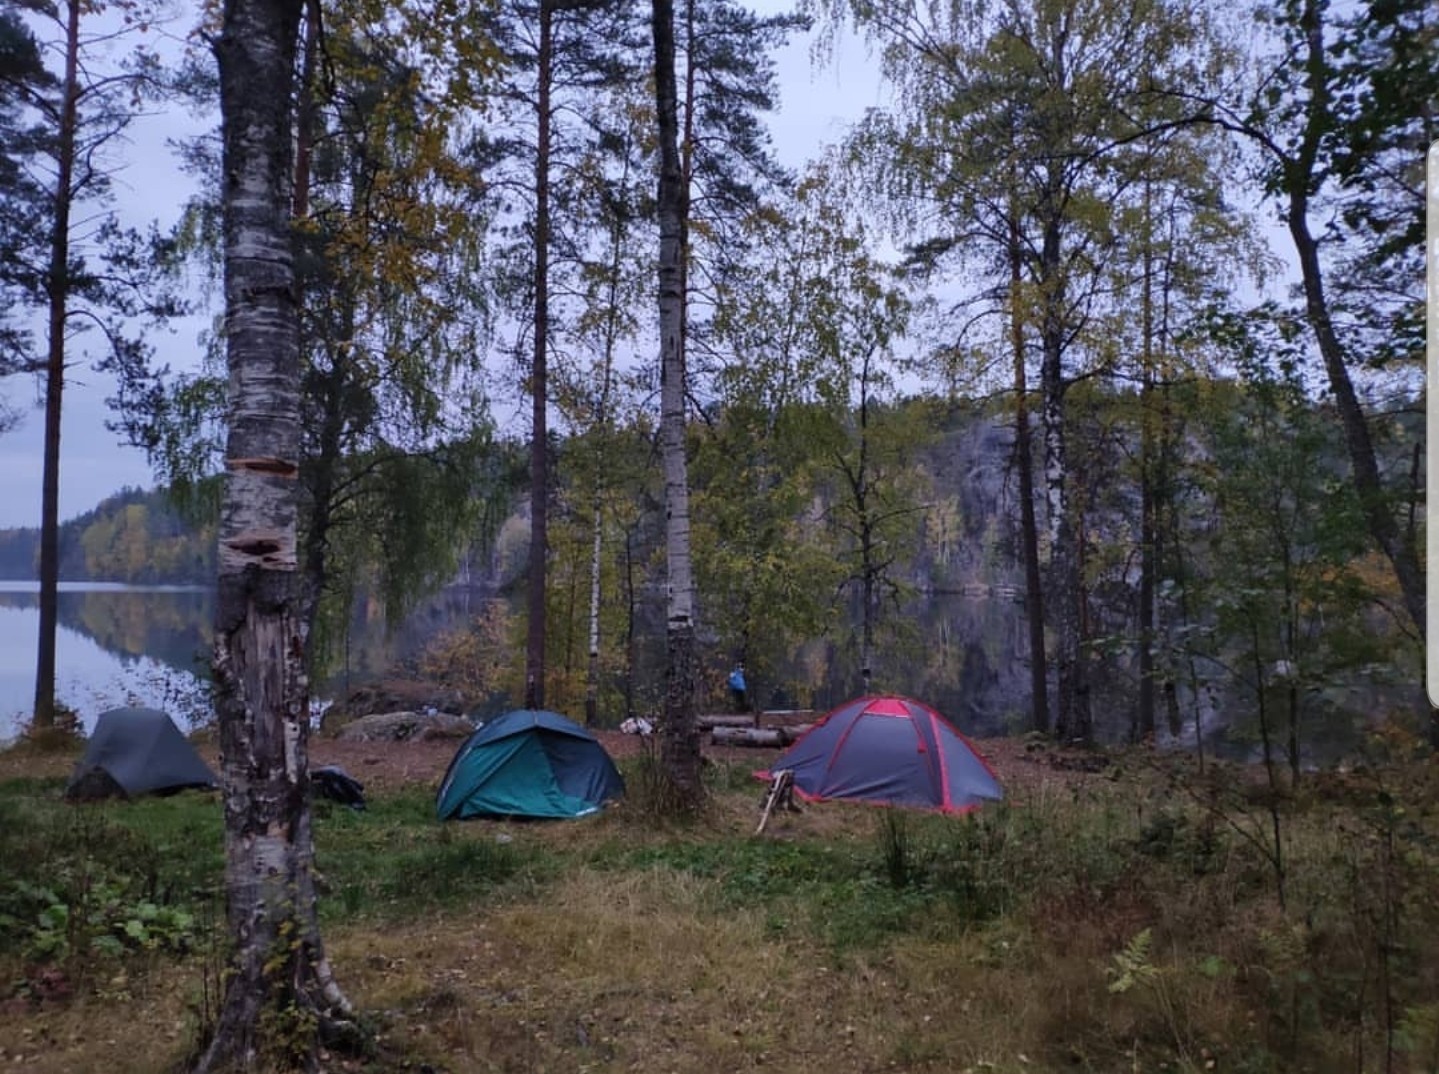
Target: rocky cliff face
[958, 636]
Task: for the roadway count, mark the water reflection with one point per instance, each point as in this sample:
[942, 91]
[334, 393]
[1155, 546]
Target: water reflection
[964, 653]
[169, 625]
[115, 645]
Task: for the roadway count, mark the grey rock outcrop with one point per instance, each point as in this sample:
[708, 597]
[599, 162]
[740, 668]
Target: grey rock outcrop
[405, 727]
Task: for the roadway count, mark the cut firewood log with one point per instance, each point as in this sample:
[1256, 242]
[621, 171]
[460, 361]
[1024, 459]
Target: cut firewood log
[707, 722]
[759, 737]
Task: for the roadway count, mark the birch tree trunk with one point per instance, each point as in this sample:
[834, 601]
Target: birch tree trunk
[1028, 524]
[1072, 719]
[679, 732]
[592, 666]
[869, 570]
[619, 230]
[1143, 727]
[279, 988]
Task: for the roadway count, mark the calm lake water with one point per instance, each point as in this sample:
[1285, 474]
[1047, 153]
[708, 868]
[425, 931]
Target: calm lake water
[116, 645]
[123, 645]
[150, 645]
[120, 645]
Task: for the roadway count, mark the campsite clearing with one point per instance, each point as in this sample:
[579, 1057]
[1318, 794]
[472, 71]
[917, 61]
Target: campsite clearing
[1098, 919]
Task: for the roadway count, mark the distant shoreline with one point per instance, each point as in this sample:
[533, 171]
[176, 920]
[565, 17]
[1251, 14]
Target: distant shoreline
[21, 585]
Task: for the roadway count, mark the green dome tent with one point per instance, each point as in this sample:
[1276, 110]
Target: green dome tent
[137, 751]
[528, 763]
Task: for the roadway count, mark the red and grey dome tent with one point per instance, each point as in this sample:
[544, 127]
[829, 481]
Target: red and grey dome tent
[889, 751]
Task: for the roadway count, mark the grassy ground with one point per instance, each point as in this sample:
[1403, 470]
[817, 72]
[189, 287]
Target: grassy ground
[1119, 920]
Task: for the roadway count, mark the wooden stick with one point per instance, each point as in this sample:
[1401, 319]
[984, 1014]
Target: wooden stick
[781, 786]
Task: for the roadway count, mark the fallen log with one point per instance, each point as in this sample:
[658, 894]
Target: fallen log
[759, 737]
[708, 722]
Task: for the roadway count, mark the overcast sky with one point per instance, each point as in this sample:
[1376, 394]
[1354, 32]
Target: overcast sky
[816, 107]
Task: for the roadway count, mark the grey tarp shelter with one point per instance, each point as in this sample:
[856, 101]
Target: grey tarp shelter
[136, 751]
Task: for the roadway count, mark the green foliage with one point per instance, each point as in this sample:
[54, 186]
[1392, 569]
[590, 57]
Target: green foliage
[22, 197]
[749, 871]
[107, 880]
[1175, 836]
[897, 850]
[398, 538]
[1132, 965]
[609, 468]
[800, 423]
[1292, 612]
[1346, 125]
[94, 889]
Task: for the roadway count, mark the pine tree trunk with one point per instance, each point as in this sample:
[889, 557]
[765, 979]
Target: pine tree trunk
[539, 389]
[279, 987]
[867, 567]
[679, 732]
[57, 286]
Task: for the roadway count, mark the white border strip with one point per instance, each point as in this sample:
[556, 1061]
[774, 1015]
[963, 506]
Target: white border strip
[1431, 411]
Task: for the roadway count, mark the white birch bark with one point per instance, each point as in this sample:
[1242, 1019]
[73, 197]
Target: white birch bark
[278, 972]
[679, 733]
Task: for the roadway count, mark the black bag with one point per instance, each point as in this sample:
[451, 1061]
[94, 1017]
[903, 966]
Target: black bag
[333, 782]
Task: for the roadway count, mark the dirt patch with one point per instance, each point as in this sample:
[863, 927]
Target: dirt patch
[1021, 766]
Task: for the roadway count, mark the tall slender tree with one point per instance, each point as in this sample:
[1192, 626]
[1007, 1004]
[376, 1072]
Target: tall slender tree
[1340, 115]
[388, 225]
[22, 198]
[58, 294]
[559, 59]
[1182, 237]
[393, 427]
[279, 987]
[1024, 113]
[611, 283]
[679, 728]
[1024, 464]
[86, 270]
[539, 372]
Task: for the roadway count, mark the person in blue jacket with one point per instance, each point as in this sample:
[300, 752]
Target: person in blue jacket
[737, 688]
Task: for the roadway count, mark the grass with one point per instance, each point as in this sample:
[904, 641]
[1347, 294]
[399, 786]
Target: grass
[394, 861]
[1103, 924]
